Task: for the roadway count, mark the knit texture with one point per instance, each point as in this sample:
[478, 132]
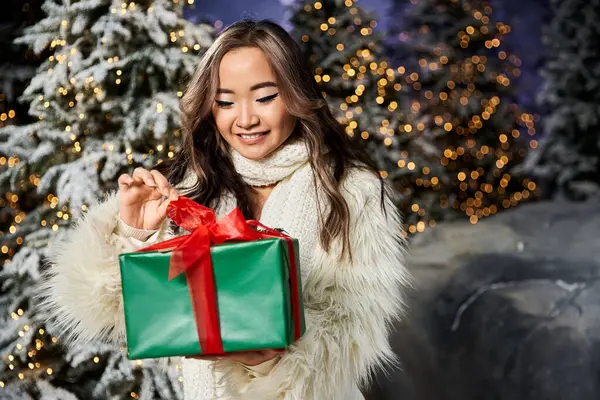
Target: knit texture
[268, 171]
[349, 305]
[292, 206]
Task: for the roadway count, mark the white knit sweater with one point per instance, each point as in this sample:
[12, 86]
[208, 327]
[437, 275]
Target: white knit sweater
[349, 306]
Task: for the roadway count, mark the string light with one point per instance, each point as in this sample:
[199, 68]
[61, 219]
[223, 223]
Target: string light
[476, 193]
[74, 108]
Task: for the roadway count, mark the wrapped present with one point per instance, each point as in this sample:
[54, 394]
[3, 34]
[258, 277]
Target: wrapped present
[230, 285]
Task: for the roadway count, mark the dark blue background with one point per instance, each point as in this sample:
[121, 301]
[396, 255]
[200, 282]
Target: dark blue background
[525, 16]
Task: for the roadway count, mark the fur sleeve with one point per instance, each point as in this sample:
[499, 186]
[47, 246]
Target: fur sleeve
[81, 288]
[350, 307]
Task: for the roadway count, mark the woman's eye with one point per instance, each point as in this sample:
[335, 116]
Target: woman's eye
[223, 103]
[268, 98]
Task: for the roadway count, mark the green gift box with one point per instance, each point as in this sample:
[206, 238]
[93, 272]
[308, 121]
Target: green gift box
[246, 296]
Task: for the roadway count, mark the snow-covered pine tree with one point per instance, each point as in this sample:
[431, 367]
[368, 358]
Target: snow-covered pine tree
[567, 162]
[104, 101]
[463, 134]
[341, 45]
[17, 67]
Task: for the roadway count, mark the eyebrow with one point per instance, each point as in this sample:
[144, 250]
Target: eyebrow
[252, 88]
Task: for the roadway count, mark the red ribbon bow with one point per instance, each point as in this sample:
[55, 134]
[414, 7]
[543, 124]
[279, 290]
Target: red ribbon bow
[191, 254]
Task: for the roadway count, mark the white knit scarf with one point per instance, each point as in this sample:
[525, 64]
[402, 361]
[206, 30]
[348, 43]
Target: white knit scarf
[279, 165]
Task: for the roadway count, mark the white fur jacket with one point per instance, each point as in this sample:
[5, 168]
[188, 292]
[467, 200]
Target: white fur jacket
[349, 306]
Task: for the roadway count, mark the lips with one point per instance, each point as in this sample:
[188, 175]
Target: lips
[252, 135]
[252, 138]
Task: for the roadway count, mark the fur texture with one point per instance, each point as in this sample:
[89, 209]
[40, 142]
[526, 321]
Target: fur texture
[350, 305]
[82, 287]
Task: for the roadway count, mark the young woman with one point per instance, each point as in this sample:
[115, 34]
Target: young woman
[257, 134]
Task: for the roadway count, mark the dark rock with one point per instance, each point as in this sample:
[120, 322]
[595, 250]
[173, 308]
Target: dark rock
[508, 309]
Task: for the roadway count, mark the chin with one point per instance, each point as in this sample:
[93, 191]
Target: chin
[254, 152]
[253, 155]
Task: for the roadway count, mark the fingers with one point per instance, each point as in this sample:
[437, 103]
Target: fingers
[251, 357]
[254, 357]
[162, 208]
[206, 358]
[273, 352]
[125, 180]
[153, 179]
[144, 175]
[164, 186]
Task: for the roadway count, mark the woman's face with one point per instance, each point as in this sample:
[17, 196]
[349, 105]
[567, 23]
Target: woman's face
[248, 108]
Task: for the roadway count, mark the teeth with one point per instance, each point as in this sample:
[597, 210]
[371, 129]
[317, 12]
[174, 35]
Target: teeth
[252, 136]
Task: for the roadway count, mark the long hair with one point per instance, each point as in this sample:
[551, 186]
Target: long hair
[205, 153]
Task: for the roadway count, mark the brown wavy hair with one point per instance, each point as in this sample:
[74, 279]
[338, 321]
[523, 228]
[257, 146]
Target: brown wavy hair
[205, 152]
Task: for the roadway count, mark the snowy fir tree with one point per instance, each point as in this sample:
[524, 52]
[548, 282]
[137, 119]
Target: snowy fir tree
[462, 137]
[17, 67]
[567, 162]
[346, 54]
[104, 100]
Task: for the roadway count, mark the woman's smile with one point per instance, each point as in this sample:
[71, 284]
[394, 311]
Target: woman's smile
[252, 138]
[249, 111]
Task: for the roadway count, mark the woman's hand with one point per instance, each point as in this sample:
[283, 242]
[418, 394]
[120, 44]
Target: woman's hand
[142, 205]
[250, 358]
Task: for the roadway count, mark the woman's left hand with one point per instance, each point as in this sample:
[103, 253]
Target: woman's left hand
[250, 358]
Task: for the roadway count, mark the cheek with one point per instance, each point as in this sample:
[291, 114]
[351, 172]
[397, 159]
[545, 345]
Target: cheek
[288, 124]
[281, 119]
[221, 121]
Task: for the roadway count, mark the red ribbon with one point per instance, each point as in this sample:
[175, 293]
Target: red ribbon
[191, 254]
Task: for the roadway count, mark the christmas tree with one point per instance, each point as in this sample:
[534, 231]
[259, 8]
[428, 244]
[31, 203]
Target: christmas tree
[346, 54]
[104, 100]
[463, 135]
[567, 161]
[17, 67]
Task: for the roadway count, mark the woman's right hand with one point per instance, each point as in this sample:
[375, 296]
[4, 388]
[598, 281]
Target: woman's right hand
[142, 205]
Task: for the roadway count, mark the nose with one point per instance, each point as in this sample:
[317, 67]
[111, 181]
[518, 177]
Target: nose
[247, 117]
